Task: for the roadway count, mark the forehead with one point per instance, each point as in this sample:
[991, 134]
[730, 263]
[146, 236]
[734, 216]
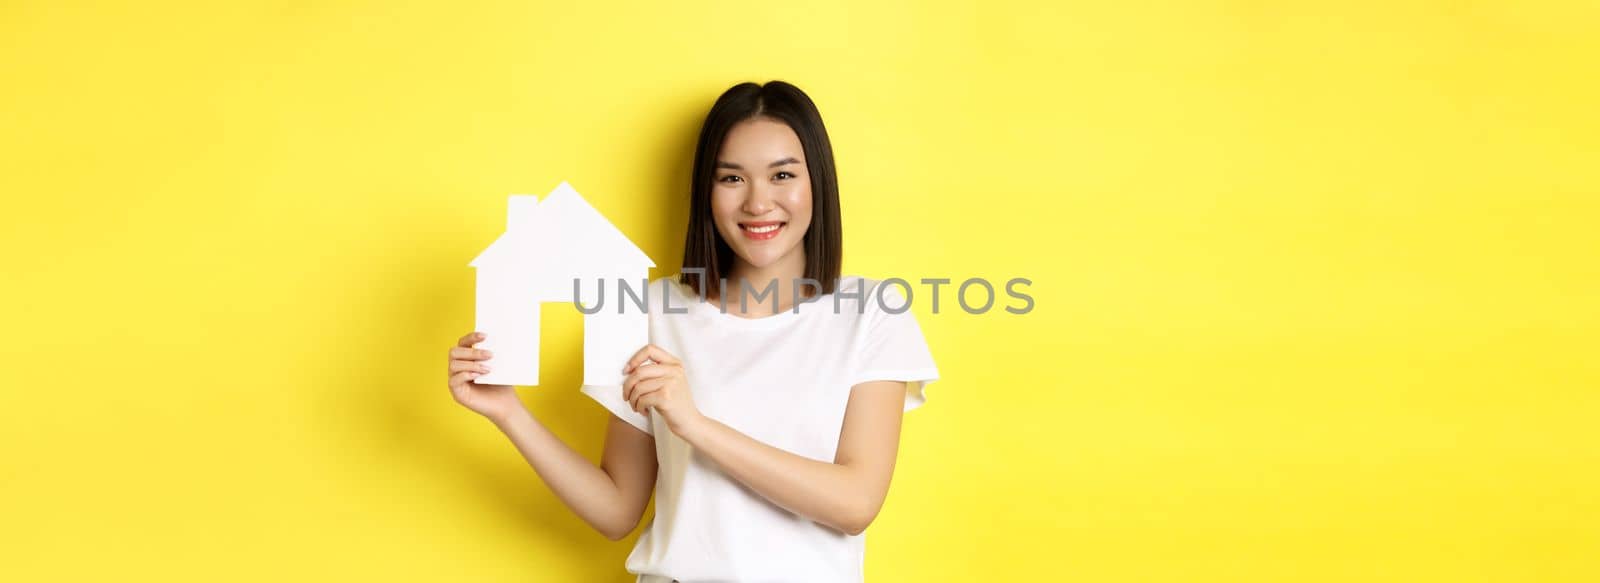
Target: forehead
[760, 140]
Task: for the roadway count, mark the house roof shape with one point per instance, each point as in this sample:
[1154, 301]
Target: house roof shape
[560, 235]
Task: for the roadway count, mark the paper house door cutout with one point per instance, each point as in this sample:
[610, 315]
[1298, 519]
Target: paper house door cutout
[547, 244]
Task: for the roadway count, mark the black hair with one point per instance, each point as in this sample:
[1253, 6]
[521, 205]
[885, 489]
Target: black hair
[703, 248]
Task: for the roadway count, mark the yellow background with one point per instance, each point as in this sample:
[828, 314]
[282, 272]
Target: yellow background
[1316, 286]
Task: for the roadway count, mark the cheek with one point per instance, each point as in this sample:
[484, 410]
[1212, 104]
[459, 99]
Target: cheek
[724, 206]
[798, 202]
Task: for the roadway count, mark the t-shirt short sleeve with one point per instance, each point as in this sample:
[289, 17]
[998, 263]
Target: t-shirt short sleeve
[611, 399]
[892, 347]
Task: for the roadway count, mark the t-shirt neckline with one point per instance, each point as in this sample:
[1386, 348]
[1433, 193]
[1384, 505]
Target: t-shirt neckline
[712, 309]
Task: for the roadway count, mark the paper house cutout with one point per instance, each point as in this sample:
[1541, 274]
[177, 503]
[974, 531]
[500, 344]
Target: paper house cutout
[547, 245]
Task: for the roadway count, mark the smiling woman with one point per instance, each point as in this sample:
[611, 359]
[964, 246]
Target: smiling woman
[763, 165]
[776, 462]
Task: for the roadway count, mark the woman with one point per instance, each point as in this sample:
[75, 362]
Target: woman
[774, 463]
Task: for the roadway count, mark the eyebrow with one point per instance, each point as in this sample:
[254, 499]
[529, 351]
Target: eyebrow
[731, 165]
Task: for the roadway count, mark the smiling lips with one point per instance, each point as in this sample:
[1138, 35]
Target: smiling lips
[763, 230]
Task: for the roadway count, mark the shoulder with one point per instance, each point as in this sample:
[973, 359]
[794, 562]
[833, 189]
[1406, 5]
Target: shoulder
[871, 294]
[667, 291]
[664, 283]
[867, 302]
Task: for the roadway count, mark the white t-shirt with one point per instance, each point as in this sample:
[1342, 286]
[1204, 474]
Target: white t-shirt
[784, 380]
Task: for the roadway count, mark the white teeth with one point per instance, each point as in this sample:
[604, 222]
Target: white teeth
[766, 229]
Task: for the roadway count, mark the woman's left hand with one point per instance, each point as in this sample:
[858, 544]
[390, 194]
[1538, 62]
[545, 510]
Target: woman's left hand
[656, 379]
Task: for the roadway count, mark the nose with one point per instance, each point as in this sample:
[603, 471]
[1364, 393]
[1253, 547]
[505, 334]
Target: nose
[758, 202]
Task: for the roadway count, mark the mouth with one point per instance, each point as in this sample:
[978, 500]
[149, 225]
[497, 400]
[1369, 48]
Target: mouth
[762, 230]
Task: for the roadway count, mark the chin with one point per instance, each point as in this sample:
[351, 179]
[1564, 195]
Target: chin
[760, 260]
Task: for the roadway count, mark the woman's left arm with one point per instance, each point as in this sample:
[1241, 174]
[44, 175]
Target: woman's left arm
[845, 494]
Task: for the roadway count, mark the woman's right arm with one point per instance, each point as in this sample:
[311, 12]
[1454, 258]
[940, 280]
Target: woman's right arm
[612, 497]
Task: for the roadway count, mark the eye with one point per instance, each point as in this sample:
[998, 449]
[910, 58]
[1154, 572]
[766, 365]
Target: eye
[729, 178]
[783, 174]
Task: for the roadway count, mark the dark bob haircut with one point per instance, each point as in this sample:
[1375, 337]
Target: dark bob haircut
[703, 248]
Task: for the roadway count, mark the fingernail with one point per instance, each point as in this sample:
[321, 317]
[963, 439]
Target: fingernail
[486, 368]
[488, 353]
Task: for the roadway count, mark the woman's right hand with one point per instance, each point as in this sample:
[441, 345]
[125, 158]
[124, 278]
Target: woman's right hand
[497, 402]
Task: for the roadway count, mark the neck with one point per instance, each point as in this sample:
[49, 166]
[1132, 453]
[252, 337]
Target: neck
[780, 275]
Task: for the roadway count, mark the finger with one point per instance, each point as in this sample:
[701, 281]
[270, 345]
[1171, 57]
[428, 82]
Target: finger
[459, 380]
[651, 352]
[470, 353]
[468, 366]
[638, 357]
[470, 339]
[645, 388]
[649, 401]
[648, 371]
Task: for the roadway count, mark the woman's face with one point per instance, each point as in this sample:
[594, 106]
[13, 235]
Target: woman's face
[761, 196]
